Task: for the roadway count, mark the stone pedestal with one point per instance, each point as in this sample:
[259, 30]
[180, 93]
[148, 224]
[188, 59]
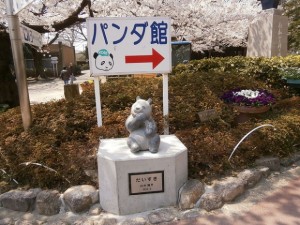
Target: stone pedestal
[131, 183]
[268, 35]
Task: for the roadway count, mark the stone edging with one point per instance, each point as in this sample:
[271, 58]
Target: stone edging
[85, 198]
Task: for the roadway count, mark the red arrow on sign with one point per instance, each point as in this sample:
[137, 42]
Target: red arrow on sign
[155, 58]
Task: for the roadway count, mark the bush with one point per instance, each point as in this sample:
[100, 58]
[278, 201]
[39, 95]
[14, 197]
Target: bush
[85, 66]
[264, 69]
[65, 137]
[77, 70]
[48, 73]
[31, 73]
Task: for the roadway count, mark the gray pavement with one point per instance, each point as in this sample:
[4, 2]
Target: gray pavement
[280, 208]
[45, 90]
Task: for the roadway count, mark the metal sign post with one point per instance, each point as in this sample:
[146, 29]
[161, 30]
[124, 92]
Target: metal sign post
[166, 103]
[134, 45]
[98, 101]
[53, 69]
[54, 61]
[56, 70]
[18, 57]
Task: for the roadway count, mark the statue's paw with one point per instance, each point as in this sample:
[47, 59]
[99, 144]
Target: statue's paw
[153, 150]
[134, 147]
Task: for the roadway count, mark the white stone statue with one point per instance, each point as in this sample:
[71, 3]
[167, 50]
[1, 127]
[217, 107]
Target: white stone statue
[142, 127]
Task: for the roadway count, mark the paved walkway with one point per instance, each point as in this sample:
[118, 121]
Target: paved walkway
[43, 90]
[273, 201]
[281, 208]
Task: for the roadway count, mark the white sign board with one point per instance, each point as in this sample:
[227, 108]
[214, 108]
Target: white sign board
[18, 5]
[30, 36]
[129, 45]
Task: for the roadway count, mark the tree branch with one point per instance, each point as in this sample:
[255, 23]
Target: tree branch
[54, 38]
[73, 18]
[43, 10]
[91, 13]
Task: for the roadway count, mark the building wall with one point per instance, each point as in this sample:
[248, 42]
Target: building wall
[68, 55]
[53, 48]
[65, 54]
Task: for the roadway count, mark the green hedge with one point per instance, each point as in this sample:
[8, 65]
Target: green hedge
[265, 69]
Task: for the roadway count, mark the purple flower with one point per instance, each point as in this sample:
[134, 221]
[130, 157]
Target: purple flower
[245, 97]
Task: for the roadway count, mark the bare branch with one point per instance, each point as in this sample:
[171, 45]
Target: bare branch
[54, 38]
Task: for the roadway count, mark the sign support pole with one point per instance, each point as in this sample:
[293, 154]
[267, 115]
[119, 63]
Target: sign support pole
[18, 57]
[98, 100]
[166, 103]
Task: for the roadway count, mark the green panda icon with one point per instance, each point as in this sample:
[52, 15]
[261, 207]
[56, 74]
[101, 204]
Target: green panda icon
[104, 60]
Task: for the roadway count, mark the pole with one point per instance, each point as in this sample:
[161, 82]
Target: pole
[166, 103]
[18, 57]
[98, 100]
[56, 70]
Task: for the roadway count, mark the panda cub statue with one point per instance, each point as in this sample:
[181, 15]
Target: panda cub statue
[142, 127]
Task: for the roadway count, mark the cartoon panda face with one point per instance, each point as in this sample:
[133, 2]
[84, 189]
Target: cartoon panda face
[103, 60]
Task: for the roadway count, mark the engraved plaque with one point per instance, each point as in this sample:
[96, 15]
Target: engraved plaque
[145, 183]
[206, 115]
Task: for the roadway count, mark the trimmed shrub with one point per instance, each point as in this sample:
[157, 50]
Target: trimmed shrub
[65, 137]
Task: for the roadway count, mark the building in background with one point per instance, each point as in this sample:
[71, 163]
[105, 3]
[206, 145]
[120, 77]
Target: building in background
[66, 55]
[63, 54]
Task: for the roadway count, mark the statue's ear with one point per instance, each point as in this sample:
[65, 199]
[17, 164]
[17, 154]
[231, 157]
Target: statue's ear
[138, 98]
[149, 101]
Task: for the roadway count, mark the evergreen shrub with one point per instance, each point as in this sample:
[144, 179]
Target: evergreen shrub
[65, 137]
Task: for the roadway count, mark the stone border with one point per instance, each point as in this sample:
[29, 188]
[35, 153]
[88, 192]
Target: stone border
[82, 202]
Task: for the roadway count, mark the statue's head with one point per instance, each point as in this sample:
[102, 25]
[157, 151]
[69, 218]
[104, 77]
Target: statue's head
[142, 106]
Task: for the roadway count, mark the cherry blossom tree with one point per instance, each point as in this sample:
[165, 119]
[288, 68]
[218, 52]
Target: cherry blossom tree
[292, 10]
[208, 24]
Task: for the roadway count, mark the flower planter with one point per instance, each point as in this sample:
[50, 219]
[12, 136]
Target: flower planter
[269, 4]
[252, 110]
[245, 113]
[246, 101]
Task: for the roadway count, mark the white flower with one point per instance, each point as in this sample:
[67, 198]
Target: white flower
[247, 93]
